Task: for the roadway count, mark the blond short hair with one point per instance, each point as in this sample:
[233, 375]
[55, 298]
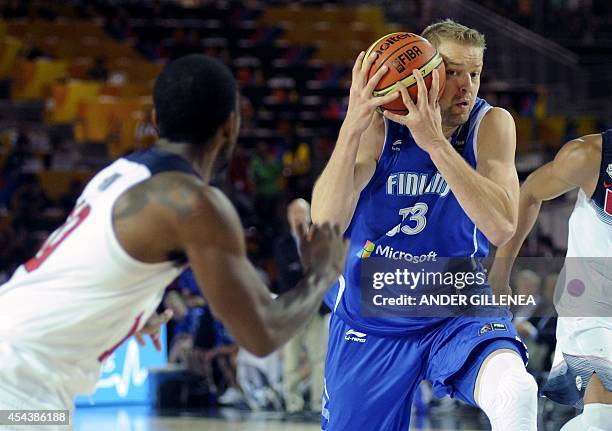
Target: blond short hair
[453, 31]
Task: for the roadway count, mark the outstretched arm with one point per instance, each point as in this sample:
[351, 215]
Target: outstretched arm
[212, 237]
[575, 165]
[174, 215]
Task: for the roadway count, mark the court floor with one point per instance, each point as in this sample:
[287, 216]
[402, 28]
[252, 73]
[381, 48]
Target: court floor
[142, 418]
[137, 418]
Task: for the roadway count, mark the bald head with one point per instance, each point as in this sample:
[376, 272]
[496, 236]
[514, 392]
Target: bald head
[298, 213]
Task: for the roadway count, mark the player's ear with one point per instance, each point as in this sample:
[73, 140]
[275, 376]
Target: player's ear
[237, 117]
[231, 127]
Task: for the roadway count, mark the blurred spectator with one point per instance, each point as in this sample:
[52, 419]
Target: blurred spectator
[260, 380]
[99, 69]
[247, 115]
[313, 337]
[186, 303]
[118, 25]
[33, 51]
[64, 155]
[296, 160]
[241, 186]
[146, 131]
[201, 342]
[265, 171]
[297, 168]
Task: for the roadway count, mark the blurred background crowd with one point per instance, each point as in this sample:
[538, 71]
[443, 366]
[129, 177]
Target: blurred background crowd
[75, 84]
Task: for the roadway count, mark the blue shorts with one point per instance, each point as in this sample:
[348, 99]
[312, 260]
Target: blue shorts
[370, 380]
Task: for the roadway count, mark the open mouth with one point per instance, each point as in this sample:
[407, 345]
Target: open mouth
[463, 105]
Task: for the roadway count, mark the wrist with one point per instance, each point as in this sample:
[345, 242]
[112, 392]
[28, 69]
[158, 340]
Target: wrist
[321, 275]
[440, 149]
[351, 129]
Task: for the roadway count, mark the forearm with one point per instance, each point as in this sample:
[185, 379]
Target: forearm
[294, 309]
[529, 208]
[487, 204]
[260, 323]
[334, 195]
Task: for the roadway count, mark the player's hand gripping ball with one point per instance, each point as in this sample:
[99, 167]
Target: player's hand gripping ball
[402, 53]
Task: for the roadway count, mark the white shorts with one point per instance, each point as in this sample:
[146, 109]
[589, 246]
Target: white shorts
[584, 336]
[30, 383]
[584, 347]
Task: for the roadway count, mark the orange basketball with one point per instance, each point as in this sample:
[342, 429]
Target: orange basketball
[403, 52]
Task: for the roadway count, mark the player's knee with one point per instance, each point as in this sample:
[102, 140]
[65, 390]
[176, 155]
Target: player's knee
[515, 406]
[509, 394]
[519, 387]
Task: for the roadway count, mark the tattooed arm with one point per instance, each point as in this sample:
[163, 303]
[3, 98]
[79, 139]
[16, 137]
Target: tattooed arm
[176, 213]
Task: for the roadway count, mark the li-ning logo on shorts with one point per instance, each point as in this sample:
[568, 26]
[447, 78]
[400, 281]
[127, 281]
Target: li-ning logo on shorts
[357, 337]
[492, 327]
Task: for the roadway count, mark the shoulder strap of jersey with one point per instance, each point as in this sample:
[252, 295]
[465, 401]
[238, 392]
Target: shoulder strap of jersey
[602, 196]
[606, 155]
[459, 138]
[157, 160]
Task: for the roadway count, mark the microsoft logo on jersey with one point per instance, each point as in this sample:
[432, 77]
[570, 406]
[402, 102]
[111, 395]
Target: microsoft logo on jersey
[366, 251]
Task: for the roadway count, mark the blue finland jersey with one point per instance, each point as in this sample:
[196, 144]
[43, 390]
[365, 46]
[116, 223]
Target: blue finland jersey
[407, 211]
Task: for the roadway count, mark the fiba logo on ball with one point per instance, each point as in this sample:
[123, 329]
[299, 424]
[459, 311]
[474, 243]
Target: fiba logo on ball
[398, 66]
[575, 287]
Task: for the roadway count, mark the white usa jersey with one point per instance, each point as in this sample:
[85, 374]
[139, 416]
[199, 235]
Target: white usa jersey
[584, 292]
[65, 310]
[588, 269]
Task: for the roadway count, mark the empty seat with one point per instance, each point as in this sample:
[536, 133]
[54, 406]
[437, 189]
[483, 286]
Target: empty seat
[65, 99]
[32, 78]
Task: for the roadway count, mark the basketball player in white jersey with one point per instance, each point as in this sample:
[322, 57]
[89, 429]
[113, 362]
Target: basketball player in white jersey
[138, 223]
[582, 366]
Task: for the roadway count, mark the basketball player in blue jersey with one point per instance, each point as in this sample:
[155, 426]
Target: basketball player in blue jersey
[581, 373]
[464, 150]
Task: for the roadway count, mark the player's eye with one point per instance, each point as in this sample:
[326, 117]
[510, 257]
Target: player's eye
[474, 74]
[451, 72]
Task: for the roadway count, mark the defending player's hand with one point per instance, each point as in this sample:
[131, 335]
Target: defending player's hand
[153, 329]
[323, 250]
[362, 104]
[424, 118]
